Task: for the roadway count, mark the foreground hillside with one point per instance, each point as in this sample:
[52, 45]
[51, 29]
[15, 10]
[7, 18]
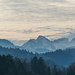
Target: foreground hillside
[37, 66]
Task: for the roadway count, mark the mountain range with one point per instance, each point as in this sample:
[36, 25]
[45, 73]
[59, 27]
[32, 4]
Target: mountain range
[41, 44]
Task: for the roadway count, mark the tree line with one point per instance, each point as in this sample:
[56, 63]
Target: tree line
[15, 66]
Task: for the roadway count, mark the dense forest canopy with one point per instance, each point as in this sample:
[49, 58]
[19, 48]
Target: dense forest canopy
[37, 66]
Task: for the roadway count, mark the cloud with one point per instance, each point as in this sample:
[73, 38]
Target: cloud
[36, 11]
[30, 31]
[52, 18]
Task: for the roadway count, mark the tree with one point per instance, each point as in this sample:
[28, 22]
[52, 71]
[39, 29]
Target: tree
[48, 71]
[41, 67]
[34, 64]
[55, 70]
[71, 69]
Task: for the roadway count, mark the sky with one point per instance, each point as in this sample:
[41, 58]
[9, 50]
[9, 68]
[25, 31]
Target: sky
[26, 19]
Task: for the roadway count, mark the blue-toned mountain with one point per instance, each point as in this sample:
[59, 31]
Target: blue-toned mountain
[6, 43]
[40, 45]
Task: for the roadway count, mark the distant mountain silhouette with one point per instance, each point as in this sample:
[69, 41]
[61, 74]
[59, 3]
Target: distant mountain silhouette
[6, 43]
[40, 45]
[61, 43]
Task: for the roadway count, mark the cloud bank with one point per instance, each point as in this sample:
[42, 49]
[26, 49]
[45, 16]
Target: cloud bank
[27, 18]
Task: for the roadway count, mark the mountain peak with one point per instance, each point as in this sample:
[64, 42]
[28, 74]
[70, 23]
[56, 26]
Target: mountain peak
[40, 38]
